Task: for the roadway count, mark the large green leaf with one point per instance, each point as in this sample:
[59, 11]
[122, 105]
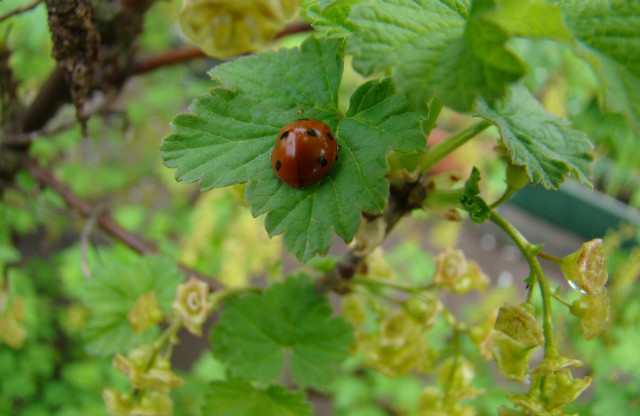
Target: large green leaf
[238, 398]
[539, 140]
[609, 38]
[114, 289]
[257, 330]
[229, 136]
[448, 48]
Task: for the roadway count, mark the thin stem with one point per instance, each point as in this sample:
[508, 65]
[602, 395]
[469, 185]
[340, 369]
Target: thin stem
[505, 196]
[549, 257]
[21, 9]
[372, 281]
[451, 143]
[166, 336]
[561, 300]
[528, 250]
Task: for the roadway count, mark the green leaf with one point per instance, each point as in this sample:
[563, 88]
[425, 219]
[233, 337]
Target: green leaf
[446, 48]
[257, 330]
[330, 17]
[479, 211]
[238, 398]
[113, 290]
[229, 137]
[538, 140]
[608, 32]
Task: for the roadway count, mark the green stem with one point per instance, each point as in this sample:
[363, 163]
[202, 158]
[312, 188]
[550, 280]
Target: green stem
[439, 151]
[371, 281]
[505, 196]
[561, 300]
[529, 251]
[549, 257]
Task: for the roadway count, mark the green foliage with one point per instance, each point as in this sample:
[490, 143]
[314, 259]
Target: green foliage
[256, 330]
[112, 292]
[422, 59]
[229, 136]
[239, 398]
[477, 208]
[539, 140]
[609, 39]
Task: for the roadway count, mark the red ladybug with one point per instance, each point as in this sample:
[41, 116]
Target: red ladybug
[304, 152]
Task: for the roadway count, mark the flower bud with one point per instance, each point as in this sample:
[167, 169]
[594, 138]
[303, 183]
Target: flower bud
[455, 272]
[193, 304]
[516, 176]
[519, 324]
[145, 313]
[118, 404]
[586, 269]
[424, 309]
[593, 312]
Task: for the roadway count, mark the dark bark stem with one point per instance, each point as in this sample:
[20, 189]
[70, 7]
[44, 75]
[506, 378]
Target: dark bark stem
[137, 243]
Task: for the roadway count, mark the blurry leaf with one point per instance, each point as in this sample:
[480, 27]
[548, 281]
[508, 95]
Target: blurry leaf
[539, 140]
[255, 331]
[609, 39]
[112, 292]
[229, 137]
[238, 398]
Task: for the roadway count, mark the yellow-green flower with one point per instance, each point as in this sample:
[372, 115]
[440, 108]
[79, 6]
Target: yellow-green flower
[586, 269]
[193, 304]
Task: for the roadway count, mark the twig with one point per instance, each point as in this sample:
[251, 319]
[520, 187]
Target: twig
[184, 54]
[21, 9]
[105, 222]
[26, 138]
[402, 200]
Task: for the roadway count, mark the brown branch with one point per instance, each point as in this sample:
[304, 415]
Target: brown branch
[21, 9]
[185, 54]
[137, 243]
[402, 200]
[174, 56]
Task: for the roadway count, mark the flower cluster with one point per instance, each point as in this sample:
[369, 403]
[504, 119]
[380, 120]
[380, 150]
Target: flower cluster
[456, 273]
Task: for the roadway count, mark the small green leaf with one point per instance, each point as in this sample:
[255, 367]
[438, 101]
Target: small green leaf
[229, 137]
[255, 331]
[479, 211]
[112, 292]
[609, 39]
[538, 140]
[238, 398]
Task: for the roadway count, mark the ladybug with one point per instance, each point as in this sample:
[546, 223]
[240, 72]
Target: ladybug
[304, 152]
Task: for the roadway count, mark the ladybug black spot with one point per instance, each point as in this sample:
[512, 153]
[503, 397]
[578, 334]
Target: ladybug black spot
[322, 161]
[284, 135]
[312, 132]
[278, 165]
[330, 137]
